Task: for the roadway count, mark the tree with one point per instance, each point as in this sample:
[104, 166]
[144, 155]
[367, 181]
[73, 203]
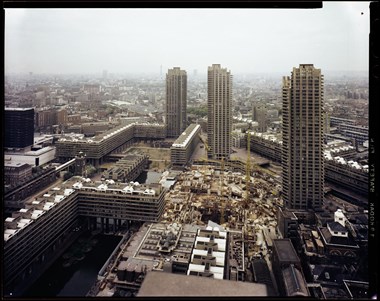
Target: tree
[90, 170]
[198, 111]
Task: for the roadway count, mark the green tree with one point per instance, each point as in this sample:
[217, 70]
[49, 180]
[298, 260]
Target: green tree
[198, 111]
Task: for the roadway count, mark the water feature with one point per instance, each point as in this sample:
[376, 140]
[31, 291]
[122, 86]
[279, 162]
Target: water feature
[75, 279]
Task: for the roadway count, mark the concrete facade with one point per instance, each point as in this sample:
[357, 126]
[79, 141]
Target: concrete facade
[219, 112]
[116, 139]
[38, 229]
[302, 152]
[183, 147]
[176, 101]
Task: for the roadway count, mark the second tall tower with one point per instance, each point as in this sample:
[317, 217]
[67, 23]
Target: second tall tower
[219, 111]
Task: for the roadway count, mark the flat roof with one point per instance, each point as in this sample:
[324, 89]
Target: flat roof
[288, 213]
[167, 284]
[37, 152]
[285, 250]
[185, 137]
[15, 164]
[17, 109]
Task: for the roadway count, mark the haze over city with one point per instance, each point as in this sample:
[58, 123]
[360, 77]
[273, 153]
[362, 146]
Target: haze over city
[59, 41]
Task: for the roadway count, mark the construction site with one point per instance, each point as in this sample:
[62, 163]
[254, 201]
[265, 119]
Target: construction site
[219, 222]
[205, 193]
[204, 222]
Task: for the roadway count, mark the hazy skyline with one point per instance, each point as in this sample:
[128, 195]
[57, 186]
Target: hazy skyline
[334, 38]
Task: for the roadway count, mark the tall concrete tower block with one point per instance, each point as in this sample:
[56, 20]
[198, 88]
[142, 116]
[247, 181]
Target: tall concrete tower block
[303, 130]
[176, 101]
[219, 112]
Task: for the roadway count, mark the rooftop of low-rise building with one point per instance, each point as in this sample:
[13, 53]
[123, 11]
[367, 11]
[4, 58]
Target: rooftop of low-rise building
[285, 250]
[330, 239]
[295, 283]
[15, 164]
[288, 213]
[186, 136]
[335, 226]
[158, 284]
[17, 109]
[29, 152]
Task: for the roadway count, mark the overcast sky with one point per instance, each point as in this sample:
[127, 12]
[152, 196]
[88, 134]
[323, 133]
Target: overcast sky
[334, 38]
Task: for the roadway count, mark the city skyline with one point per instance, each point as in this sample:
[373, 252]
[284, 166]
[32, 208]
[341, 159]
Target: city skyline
[141, 40]
[137, 178]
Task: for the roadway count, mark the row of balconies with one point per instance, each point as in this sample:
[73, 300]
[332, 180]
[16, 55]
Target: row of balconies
[29, 243]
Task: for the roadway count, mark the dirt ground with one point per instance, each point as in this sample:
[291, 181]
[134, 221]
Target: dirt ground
[160, 157]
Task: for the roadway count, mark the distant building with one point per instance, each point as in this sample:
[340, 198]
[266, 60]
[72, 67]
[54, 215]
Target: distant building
[93, 91]
[260, 114]
[92, 88]
[127, 169]
[75, 118]
[219, 111]
[45, 118]
[118, 138]
[302, 148]
[327, 123]
[335, 121]
[268, 145]
[182, 149]
[238, 139]
[346, 173]
[359, 133]
[95, 128]
[16, 172]
[254, 111]
[61, 117]
[176, 101]
[18, 127]
[33, 157]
